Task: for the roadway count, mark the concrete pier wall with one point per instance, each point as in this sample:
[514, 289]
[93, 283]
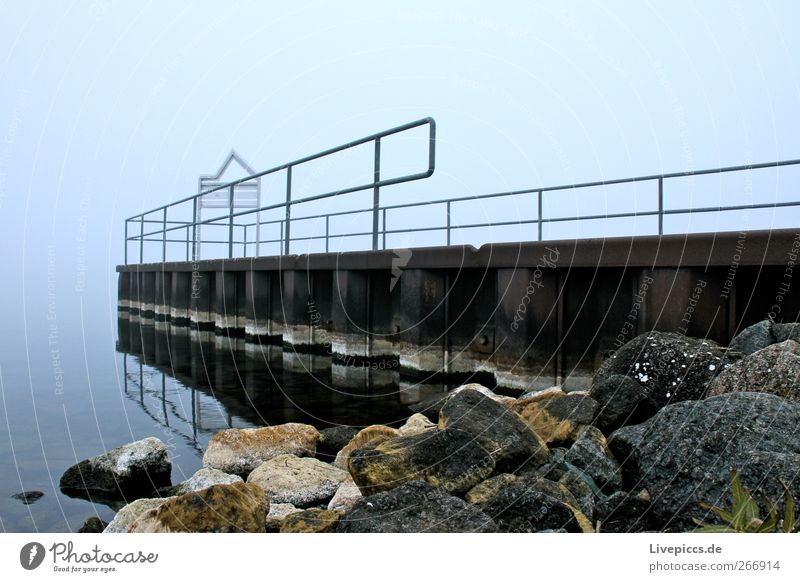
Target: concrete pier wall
[529, 315]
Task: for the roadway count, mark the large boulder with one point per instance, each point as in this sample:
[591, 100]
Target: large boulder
[497, 429]
[556, 417]
[670, 367]
[686, 452]
[591, 455]
[763, 334]
[774, 369]
[203, 479]
[622, 401]
[756, 337]
[240, 450]
[234, 508]
[449, 458]
[125, 517]
[301, 481]
[430, 407]
[375, 432]
[130, 471]
[414, 507]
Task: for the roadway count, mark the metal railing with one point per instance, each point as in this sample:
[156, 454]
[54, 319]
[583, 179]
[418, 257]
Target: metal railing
[379, 230]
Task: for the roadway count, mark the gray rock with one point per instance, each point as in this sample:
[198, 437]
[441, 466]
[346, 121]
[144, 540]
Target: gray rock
[299, 481]
[774, 369]
[786, 331]
[590, 453]
[754, 338]
[203, 479]
[133, 470]
[622, 400]
[670, 367]
[685, 453]
[416, 507]
[520, 508]
[497, 429]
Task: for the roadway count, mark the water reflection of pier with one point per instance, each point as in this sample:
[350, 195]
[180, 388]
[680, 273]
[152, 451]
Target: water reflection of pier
[198, 382]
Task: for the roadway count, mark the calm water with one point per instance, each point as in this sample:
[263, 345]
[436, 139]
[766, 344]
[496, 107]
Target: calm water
[73, 388]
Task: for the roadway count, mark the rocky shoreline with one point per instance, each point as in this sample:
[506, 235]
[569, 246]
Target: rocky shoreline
[666, 420]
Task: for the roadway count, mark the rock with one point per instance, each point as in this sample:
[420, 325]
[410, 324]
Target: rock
[449, 458]
[301, 481]
[623, 512]
[622, 400]
[240, 450]
[774, 369]
[333, 439]
[93, 525]
[133, 470]
[238, 507]
[414, 507]
[557, 417]
[376, 432]
[430, 407]
[28, 497]
[203, 479]
[128, 514]
[496, 428]
[485, 490]
[754, 338]
[590, 454]
[277, 513]
[786, 331]
[581, 490]
[670, 367]
[313, 520]
[685, 453]
[523, 508]
[416, 424]
[346, 496]
[544, 393]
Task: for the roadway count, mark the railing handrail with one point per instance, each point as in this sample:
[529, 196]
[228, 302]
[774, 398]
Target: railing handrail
[351, 144]
[377, 210]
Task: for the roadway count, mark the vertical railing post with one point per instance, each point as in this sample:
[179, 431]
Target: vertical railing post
[230, 221]
[376, 193]
[245, 240]
[327, 230]
[164, 236]
[660, 205]
[448, 223]
[384, 229]
[287, 230]
[194, 230]
[187, 243]
[141, 239]
[539, 217]
[126, 241]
